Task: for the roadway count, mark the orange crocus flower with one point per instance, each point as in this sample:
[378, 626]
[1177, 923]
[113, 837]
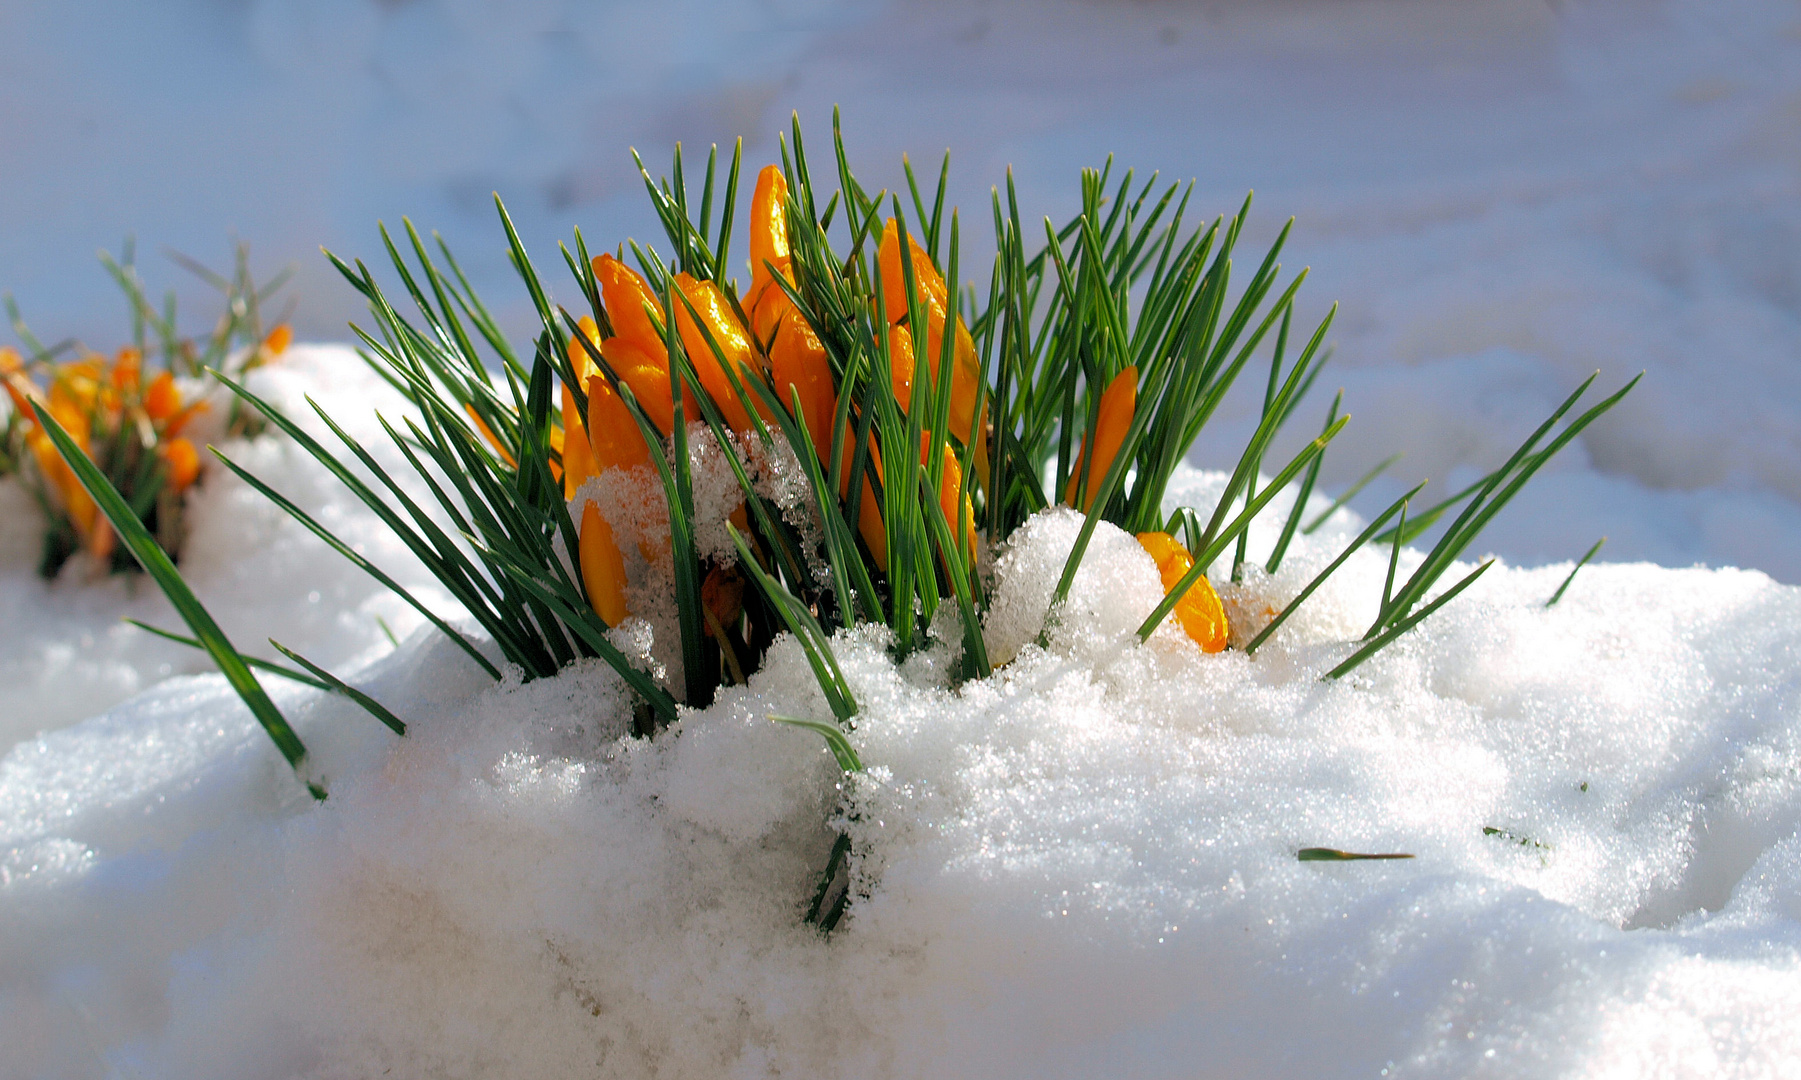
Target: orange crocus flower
[603, 568]
[1117, 404]
[578, 458]
[73, 393]
[614, 440]
[636, 351]
[183, 462]
[966, 371]
[1199, 611]
[127, 371]
[12, 367]
[734, 345]
[798, 365]
[276, 342]
[951, 495]
[610, 440]
[768, 246]
[83, 512]
[162, 399]
[75, 389]
[162, 403]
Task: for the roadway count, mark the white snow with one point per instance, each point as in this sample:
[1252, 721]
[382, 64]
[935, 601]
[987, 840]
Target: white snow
[1114, 589]
[1083, 865]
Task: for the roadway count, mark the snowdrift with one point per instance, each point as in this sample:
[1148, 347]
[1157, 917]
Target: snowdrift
[1082, 865]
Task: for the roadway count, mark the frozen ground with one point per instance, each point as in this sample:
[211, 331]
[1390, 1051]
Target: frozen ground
[1082, 866]
[1504, 194]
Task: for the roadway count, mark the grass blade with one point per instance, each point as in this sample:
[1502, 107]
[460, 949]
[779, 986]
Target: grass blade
[1300, 500]
[1376, 645]
[834, 738]
[161, 569]
[1320, 579]
[261, 665]
[1580, 563]
[370, 705]
[357, 560]
[1350, 493]
[805, 629]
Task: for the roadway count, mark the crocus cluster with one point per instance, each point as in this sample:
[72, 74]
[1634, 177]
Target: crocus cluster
[771, 343]
[129, 421]
[750, 349]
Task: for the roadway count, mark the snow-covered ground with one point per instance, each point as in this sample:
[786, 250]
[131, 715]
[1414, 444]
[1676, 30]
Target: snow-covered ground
[1085, 865]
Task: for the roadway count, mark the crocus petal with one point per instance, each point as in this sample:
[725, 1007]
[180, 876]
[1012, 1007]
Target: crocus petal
[603, 568]
[1199, 611]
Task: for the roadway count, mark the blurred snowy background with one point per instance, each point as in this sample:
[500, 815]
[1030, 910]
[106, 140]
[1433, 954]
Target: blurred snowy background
[1504, 195]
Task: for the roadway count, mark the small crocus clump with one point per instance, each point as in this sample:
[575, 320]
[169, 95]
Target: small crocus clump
[128, 414]
[128, 421]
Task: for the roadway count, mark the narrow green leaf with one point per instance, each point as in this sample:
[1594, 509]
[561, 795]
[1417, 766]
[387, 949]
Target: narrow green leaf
[1320, 579]
[369, 704]
[260, 665]
[834, 738]
[1377, 644]
[1300, 499]
[813, 641]
[1350, 493]
[1580, 563]
[157, 564]
[358, 560]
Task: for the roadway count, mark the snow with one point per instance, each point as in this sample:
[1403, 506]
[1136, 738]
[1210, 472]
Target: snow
[1085, 864]
[1108, 598]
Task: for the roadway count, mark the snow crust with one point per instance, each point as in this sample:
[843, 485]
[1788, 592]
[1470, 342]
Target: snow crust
[1083, 865]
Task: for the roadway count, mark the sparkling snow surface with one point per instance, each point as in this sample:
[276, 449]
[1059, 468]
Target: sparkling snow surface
[1081, 866]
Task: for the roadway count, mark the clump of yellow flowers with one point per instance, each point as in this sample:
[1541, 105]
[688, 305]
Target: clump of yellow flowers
[925, 425]
[133, 421]
[780, 348]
